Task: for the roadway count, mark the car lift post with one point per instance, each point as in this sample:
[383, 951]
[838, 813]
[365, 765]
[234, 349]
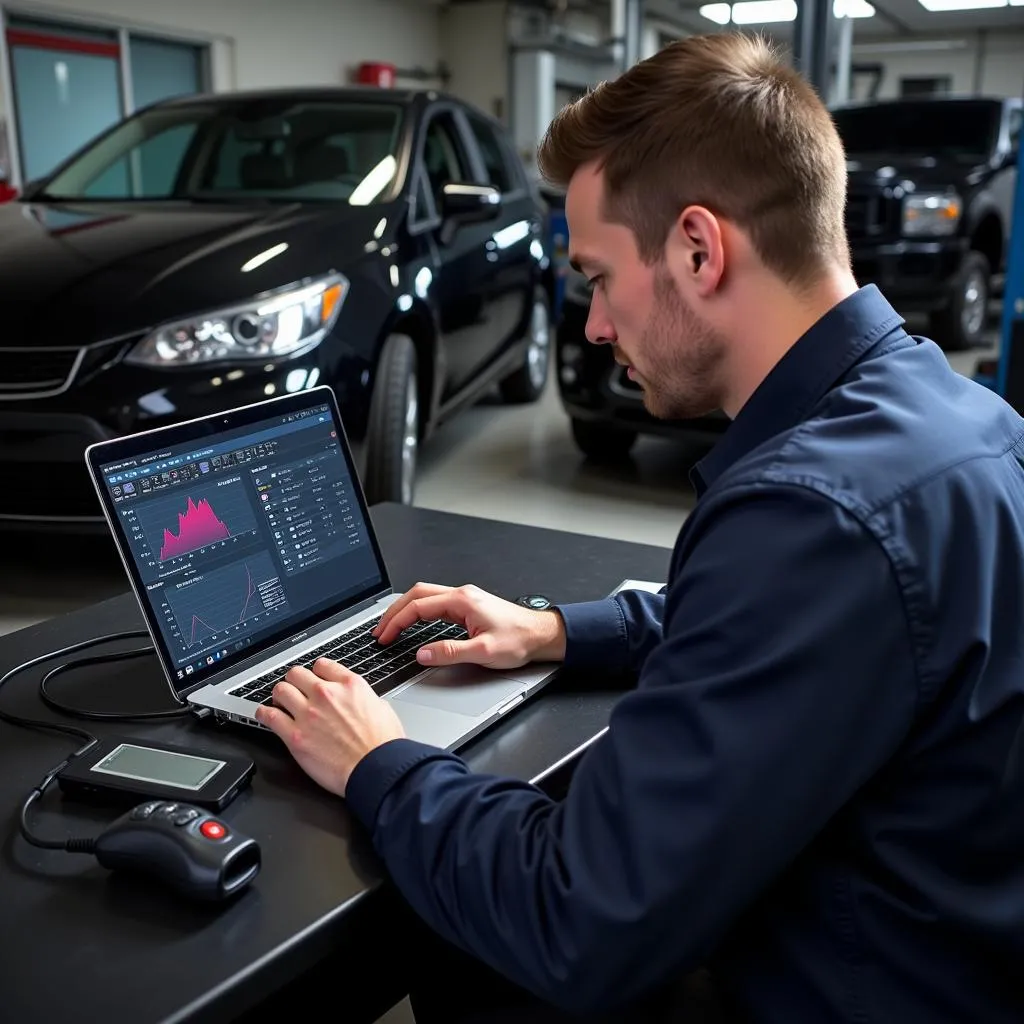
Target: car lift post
[1010, 369]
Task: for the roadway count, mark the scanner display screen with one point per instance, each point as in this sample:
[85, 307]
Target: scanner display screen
[146, 764]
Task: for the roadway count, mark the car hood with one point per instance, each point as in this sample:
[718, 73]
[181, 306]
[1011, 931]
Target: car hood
[892, 169]
[77, 273]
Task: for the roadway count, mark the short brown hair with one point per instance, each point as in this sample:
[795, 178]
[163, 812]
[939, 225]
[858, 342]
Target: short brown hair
[718, 121]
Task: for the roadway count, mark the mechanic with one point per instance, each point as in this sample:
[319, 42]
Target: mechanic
[811, 807]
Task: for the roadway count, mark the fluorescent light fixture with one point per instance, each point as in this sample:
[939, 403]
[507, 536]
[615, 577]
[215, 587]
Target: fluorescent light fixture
[765, 12]
[853, 9]
[718, 13]
[960, 5]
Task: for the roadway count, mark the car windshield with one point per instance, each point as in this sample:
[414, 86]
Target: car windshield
[961, 129]
[270, 150]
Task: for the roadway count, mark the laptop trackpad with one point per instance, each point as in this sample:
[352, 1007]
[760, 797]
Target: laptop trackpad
[464, 689]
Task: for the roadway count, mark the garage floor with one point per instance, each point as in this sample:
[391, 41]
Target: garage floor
[491, 461]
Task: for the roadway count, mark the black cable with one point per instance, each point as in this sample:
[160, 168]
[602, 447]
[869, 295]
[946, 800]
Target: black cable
[100, 716]
[70, 845]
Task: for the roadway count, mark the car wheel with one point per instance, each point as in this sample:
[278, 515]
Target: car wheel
[394, 427]
[527, 383]
[602, 442]
[962, 323]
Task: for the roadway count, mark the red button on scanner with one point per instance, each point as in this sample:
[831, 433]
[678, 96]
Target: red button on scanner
[213, 829]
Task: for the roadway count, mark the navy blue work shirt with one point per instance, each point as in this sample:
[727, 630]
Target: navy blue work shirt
[816, 788]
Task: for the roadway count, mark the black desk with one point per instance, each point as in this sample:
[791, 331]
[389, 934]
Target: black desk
[79, 943]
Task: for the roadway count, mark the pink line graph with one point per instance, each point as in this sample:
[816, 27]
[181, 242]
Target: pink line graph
[250, 591]
[198, 526]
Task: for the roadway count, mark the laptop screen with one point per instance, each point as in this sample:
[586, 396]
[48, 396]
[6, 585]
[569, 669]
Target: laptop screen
[240, 529]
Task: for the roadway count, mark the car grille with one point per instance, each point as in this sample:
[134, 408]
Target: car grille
[25, 371]
[41, 371]
[871, 216]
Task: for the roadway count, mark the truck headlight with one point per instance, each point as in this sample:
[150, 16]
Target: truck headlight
[931, 214]
[281, 323]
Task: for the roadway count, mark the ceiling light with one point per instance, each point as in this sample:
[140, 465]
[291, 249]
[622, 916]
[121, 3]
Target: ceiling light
[718, 13]
[853, 9]
[763, 12]
[960, 5]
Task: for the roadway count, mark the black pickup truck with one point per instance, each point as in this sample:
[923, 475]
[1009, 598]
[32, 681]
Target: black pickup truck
[931, 185]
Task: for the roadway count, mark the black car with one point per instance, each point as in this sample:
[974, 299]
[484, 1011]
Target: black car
[211, 251]
[931, 185]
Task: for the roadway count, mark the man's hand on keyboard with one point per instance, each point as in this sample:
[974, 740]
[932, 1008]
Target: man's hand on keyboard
[330, 719]
[501, 634]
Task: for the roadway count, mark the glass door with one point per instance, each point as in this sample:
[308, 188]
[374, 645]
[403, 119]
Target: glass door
[67, 89]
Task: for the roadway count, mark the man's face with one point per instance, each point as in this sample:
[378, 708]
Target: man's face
[671, 352]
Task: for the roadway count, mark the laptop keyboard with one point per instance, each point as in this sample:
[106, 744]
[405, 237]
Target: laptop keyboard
[383, 667]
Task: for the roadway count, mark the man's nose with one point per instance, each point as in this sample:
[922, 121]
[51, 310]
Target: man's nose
[599, 329]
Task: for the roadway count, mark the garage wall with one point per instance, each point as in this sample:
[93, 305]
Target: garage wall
[256, 43]
[270, 43]
[994, 62]
[474, 48]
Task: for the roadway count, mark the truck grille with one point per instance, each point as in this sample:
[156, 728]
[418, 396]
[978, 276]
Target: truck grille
[33, 370]
[871, 216]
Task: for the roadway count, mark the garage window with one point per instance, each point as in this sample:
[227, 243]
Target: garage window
[72, 82]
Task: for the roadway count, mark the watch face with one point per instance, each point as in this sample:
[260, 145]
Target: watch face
[535, 601]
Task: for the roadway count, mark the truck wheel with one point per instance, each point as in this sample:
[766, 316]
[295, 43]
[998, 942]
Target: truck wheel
[961, 325]
[601, 442]
[526, 384]
[392, 437]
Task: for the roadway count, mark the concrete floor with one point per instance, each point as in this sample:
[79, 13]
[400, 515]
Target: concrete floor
[492, 461]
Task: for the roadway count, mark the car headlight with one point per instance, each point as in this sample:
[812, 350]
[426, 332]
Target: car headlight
[281, 323]
[930, 214]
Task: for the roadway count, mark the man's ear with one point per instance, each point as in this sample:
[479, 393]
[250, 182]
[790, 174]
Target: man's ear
[695, 252]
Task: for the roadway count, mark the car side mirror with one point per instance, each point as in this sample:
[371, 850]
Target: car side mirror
[469, 204]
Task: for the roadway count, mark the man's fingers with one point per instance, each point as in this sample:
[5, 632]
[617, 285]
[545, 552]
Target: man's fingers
[449, 605]
[275, 720]
[301, 679]
[326, 668]
[414, 594]
[478, 651]
[289, 697]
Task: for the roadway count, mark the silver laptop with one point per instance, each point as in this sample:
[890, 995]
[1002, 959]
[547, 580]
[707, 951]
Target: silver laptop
[248, 544]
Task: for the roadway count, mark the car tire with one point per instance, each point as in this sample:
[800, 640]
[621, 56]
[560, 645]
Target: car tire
[602, 442]
[392, 437]
[527, 383]
[962, 323]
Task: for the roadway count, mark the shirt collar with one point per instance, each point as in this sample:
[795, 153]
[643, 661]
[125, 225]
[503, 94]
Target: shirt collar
[801, 378]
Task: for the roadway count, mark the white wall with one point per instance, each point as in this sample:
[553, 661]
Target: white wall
[257, 43]
[995, 60]
[269, 42]
[474, 49]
